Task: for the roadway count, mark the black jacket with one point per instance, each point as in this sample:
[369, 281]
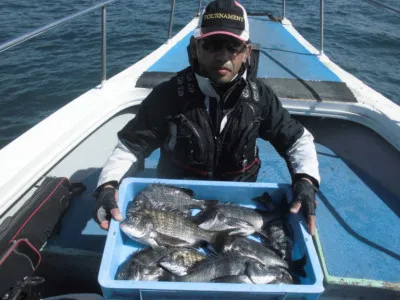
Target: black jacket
[174, 118]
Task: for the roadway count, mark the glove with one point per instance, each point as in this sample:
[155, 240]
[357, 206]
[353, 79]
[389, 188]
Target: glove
[304, 197]
[106, 207]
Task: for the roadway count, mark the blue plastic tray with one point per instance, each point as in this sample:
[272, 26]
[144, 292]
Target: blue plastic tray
[118, 247]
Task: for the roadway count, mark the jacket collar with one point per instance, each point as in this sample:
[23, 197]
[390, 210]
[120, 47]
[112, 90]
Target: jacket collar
[206, 87]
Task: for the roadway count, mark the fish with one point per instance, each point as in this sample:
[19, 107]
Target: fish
[152, 273]
[124, 270]
[260, 274]
[210, 218]
[151, 256]
[143, 265]
[161, 228]
[239, 245]
[167, 198]
[234, 265]
[276, 236]
[268, 204]
[221, 223]
[181, 260]
[220, 266]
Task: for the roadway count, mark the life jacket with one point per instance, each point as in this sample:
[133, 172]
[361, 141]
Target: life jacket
[193, 147]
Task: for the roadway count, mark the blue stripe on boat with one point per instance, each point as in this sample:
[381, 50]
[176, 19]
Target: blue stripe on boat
[281, 55]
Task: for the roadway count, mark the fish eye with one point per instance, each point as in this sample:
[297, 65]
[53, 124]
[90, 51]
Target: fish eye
[135, 219]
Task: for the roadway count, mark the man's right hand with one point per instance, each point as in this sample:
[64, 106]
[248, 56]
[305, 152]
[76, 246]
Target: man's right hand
[106, 206]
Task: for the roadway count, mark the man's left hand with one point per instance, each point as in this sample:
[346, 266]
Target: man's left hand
[304, 197]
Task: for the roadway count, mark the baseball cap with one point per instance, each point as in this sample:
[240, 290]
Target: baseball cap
[223, 17]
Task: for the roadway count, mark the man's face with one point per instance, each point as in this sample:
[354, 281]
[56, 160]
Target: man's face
[221, 56]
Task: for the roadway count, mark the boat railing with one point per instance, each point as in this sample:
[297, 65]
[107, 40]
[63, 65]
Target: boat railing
[322, 9]
[14, 42]
[21, 39]
[44, 29]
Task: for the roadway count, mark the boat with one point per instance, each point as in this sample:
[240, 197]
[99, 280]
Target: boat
[356, 130]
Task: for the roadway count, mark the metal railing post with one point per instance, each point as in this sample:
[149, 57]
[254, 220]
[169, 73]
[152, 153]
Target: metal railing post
[171, 19]
[199, 8]
[322, 27]
[103, 46]
[284, 8]
[14, 42]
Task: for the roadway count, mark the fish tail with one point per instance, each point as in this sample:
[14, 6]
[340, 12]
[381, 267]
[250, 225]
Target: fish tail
[204, 205]
[297, 266]
[266, 201]
[263, 235]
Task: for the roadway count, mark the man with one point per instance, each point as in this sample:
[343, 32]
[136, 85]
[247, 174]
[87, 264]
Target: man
[206, 121]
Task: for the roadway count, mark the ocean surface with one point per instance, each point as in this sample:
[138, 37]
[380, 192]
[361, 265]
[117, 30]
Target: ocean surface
[45, 73]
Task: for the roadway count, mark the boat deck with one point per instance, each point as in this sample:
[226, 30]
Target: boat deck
[281, 55]
[358, 208]
[284, 64]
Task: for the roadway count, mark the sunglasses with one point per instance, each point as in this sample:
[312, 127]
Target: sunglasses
[215, 44]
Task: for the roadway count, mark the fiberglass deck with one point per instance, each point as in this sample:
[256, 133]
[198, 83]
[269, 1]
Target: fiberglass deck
[358, 208]
[283, 63]
[281, 55]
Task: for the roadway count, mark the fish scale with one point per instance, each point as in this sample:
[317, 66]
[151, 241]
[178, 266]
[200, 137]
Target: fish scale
[255, 218]
[165, 197]
[243, 246]
[180, 261]
[173, 224]
[219, 267]
[142, 264]
[162, 228]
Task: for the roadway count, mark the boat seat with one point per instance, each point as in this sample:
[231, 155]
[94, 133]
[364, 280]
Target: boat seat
[284, 88]
[252, 67]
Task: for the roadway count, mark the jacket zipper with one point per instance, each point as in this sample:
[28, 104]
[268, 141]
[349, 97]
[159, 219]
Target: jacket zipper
[211, 138]
[220, 139]
[196, 133]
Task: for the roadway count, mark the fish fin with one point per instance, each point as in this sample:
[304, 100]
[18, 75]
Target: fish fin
[297, 266]
[204, 213]
[241, 227]
[209, 222]
[266, 201]
[179, 212]
[187, 191]
[263, 235]
[172, 241]
[210, 251]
